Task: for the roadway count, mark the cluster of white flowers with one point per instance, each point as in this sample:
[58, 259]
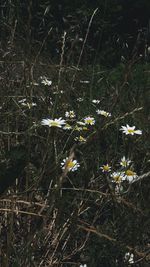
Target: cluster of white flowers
[124, 174]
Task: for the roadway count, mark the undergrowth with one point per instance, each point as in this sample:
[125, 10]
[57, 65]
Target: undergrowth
[74, 163]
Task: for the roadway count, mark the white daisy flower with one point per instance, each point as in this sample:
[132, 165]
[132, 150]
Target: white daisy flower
[95, 101]
[83, 265]
[53, 123]
[125, 162]
[89, 120]
[103, 113]
[70, 165]
[118, 177]
[70, 114]
[130, 175]
[105, 168]
[45, 81]
[128, 130]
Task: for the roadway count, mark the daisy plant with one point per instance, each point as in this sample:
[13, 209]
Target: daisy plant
[124, 162]
[89, 120]
[70, 165]
[53, 123]
[130, 130]
[130, 175]
[118, 177]
[105, 168]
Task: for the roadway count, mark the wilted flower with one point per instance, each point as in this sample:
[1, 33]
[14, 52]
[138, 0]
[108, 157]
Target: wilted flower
[53, 123]
[80, 139]
[70, 165]
[103, 113]
[82, 126]
[130, 175]
[89, 120]
[45, 81]
[128, 130]
[125, 162]
[70, 114]
[105, 168]
[67, 127]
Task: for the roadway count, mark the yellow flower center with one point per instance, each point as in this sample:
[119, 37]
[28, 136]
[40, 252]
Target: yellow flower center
[70, 164]
[54, 124]
[117, 178]
[89, 121]
[130, 173]
[124, 163]
[106, 168]
[131, 131]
